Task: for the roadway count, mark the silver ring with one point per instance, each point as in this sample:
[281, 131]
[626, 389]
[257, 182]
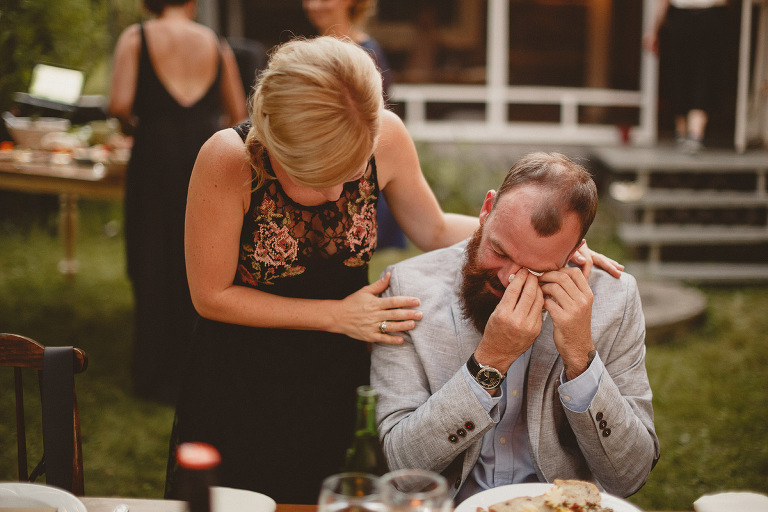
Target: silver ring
[383, 327]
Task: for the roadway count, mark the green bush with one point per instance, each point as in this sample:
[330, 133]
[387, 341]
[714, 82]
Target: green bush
[70, 33]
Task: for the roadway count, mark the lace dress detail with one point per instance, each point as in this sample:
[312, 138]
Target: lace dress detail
[281, 238]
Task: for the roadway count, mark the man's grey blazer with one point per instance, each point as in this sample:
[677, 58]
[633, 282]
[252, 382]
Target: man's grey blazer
[430, 418]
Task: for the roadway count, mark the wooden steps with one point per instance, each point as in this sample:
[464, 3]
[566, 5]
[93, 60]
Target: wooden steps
[660, 198]
[724, 273]
[671, 204]
[638, 234]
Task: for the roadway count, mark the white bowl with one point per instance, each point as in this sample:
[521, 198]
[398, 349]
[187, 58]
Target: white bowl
[227, 499]
[28, 132]
[731, 501]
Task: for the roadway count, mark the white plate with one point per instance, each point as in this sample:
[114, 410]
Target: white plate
[506, 492]
[735, 500]
[227, 499]
[19, 494]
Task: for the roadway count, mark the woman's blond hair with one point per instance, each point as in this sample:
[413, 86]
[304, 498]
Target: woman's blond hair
[316, 109]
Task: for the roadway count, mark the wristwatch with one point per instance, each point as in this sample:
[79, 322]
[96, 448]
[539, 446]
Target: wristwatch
[487, 376]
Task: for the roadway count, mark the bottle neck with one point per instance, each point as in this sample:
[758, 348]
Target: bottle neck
[366, 415]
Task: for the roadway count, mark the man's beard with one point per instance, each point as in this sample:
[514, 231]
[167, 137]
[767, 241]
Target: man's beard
[477, 301]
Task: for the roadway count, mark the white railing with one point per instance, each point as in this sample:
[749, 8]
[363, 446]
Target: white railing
[497, 128]
[497, 97]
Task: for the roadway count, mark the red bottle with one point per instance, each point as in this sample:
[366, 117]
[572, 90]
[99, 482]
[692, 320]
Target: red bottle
[197, 473]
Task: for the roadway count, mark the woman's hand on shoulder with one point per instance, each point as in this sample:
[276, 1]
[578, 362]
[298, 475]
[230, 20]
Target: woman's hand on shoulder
[365, 316]
[586, 258]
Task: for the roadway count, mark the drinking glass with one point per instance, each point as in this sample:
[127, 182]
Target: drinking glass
[414, 490]
[350, 492]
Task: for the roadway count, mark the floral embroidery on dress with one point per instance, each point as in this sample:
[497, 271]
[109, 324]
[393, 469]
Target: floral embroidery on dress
[362, 236]
[279, 235]
[274, 250]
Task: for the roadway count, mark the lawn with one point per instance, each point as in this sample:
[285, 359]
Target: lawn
[710, 385]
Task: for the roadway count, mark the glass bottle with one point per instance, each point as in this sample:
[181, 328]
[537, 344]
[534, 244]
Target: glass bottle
[197, 474]
[365, 455]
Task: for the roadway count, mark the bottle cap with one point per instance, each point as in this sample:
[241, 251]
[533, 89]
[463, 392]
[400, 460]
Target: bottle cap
[197, 456]
[366, 391]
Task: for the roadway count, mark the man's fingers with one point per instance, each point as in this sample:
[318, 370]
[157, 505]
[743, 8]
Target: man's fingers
[522, 295]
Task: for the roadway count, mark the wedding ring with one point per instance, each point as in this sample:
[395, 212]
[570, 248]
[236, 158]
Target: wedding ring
[383, 327]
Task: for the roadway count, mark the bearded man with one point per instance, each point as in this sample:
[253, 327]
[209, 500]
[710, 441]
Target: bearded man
[523, 368]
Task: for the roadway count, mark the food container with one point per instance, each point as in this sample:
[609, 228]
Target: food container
[28, 132]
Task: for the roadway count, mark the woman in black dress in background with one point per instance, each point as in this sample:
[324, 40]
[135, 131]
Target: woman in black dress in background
[174, 84]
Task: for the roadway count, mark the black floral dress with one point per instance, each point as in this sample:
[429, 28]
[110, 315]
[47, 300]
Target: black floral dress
[279, 404]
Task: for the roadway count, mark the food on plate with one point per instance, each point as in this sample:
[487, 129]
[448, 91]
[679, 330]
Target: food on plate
[565, 496]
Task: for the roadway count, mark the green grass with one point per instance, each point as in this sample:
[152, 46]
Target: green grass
[710, 386]
[125, 439]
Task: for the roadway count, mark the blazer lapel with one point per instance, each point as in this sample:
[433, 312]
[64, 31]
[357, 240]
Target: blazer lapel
[467, 337]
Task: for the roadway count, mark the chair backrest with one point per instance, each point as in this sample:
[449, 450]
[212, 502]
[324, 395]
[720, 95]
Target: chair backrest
[20, 352]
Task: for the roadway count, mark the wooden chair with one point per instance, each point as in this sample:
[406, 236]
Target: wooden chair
[21, 352]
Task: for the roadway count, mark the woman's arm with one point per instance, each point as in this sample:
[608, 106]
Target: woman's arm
[232, 94]
[219, 195]
[412, 202]
[125, 70]
[414, 206]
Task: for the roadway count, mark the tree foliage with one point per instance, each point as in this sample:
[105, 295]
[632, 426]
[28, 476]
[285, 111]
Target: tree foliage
[71, 33]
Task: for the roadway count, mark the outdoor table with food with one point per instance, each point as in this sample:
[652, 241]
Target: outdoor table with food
[49, 156]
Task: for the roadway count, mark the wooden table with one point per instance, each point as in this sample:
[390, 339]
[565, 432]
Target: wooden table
[140, 505]
[69, 182]
[95, 504]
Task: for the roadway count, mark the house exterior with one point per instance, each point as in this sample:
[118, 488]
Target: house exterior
[563, 71]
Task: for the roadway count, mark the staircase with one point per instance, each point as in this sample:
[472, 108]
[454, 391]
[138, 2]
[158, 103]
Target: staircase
[700, 218]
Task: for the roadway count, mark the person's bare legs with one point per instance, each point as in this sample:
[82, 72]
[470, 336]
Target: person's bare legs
[697, 124]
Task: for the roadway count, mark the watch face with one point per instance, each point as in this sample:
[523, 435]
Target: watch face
[489, 378]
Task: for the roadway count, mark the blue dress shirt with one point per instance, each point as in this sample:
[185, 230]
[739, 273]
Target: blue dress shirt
[505, 457]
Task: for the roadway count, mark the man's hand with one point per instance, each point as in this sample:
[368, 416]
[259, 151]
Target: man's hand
[514, 324]
[568, 299]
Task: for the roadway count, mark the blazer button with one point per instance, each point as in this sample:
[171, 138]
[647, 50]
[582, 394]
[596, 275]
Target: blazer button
[469, 426]
[599, 416]
[462, 432]
[606, 432]
[457, 483]
[603, 424]
[453, 438]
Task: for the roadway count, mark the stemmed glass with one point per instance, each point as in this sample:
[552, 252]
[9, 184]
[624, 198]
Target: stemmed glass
[350, 492]
[414, 490]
